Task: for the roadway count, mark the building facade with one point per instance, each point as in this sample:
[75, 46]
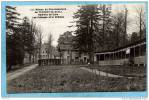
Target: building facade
[68, 54]
[46, 54]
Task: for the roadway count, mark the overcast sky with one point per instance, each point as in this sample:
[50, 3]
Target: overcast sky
[57, 26]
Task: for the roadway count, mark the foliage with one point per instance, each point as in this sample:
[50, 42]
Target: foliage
[105, 26]
[28, 31]
[134, 37]
[100, 30]
[20, 37]
[119, 29]
[87, 23]
[15, 52]
[141, 21]
[93, 28]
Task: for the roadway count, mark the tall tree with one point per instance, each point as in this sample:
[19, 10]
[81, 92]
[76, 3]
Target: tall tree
[134, 37]
[28, 30]
[21, 37]
[39, 39]
[125, 24]
[87, 28]
[141, 21]
[14, 49]
[120, 28]
[105, 25]
[50, 47]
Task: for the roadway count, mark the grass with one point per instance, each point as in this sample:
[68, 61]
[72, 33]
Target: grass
[70, 79]
[124, 70]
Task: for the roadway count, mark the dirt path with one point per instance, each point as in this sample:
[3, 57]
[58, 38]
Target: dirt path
[17, 73]
[95, 71]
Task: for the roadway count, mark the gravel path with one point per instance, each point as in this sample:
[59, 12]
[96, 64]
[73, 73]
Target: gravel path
[101, 73]
[17, 73]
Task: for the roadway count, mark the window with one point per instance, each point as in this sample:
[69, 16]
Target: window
[101, 57]
[97, 57]
[76, 58]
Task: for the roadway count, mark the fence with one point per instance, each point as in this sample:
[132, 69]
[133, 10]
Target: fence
[44, 62]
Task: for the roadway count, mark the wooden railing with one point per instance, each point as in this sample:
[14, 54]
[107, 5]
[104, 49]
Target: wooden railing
[45, 62]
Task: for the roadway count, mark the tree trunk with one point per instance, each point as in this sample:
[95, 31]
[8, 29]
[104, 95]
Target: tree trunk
[33, 58]
[91, 57]
[103, 30]
[9, 67]
[30, 58]
[140, 26]
[125, 33]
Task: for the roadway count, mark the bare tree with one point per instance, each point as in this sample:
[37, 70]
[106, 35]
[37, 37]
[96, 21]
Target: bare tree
[141, 20]
[39, 38]
[105, 18]
[125, 24]
[120, 22]
[50, 47]
[33, 33]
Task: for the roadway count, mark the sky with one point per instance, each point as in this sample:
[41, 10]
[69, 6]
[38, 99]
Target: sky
[57, 26]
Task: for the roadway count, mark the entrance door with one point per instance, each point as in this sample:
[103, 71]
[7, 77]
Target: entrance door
[68, 59]
[85, 60]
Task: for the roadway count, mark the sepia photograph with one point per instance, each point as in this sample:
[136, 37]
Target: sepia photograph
[86, 47]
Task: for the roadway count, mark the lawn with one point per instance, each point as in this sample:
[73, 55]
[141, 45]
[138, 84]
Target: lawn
[123, 70]
[70, 79]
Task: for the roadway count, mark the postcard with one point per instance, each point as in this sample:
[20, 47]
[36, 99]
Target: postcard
[74, 49]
